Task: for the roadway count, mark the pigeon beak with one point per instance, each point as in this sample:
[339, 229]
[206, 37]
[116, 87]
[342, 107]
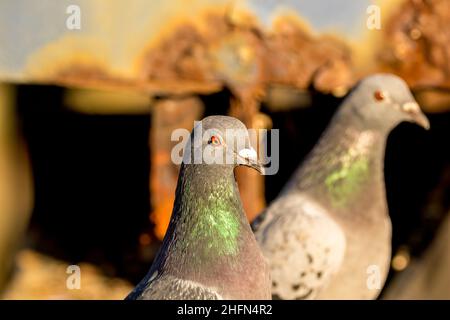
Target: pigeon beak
[249, 158]
[417, 116]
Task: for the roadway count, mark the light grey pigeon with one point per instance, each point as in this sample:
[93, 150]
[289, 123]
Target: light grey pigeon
[209, 250]
[328, 233]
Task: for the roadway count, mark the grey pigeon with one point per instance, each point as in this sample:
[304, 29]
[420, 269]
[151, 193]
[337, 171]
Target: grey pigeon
[328, 234]
[209, 250]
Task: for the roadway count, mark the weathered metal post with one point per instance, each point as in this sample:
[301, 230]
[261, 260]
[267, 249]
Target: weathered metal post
[168, 115]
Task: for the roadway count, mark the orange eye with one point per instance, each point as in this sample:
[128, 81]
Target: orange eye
[379, 95]
[215, 141]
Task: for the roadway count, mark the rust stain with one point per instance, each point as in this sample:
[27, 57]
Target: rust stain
[298, 58]
[417, 43]
[161, 215]
[416, 46]
[81, 77]
[219, 47]
[247, 56]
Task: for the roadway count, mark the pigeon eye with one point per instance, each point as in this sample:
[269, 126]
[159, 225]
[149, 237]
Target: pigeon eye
[214, 140]
[379, 95]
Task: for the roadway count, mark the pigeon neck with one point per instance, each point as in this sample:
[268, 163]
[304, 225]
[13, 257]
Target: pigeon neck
[208, 220]
[345, 170]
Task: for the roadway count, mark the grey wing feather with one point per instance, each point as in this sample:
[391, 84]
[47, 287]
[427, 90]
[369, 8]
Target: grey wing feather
[172, 288]
[303, 245]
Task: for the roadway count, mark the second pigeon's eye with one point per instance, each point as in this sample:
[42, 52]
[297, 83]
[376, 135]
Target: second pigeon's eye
[214, 140]
[379, 95]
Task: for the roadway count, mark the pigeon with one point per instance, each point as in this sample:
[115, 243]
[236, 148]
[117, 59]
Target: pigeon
[209, 251]
[328, 233]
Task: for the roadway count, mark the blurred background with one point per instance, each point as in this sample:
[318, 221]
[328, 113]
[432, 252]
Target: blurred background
[90, 92]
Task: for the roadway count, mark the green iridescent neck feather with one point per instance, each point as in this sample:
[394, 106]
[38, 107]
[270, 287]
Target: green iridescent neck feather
[341, 173]
[208, 216]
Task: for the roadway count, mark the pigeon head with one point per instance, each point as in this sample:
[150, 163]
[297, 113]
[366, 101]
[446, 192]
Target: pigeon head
[223, 141]
[385, 100]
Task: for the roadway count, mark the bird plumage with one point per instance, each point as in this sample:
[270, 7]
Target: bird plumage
[329, 229]
[209, 251]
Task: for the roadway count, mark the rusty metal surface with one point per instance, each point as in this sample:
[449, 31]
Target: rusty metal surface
[417, 43]
[168, 115]
[198, 46]
[416, 46]
[175, 46]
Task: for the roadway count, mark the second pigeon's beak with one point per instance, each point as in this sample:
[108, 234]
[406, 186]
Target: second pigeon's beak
[417, 116]
[248, 157]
